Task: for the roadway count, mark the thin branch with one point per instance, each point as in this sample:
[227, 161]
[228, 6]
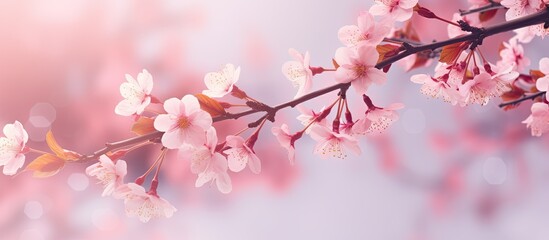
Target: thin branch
[117, 145]
[533, 96]
[493, 5]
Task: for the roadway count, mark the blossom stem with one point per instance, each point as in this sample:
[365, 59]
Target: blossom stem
[533, 96]
[38, 151]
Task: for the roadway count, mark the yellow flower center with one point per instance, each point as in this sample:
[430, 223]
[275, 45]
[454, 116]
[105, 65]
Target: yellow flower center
[183, 122]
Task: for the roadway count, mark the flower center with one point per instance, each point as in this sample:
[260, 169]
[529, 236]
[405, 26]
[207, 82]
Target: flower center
[183, 122]
[360, 70]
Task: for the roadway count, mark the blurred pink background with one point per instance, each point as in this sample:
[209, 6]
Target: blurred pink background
[441, 172]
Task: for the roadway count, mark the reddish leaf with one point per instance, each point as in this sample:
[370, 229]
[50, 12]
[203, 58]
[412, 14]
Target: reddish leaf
[487, 15]
[238, 93]
[514, 94]
[46, 165]
[451, 52]
[143, 125]
[536, 74]
[58, 150]
[210, 105]
[386, 51]
[336, 65]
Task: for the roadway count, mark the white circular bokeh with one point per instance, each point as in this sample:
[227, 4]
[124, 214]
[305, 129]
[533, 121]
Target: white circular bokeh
[413, 121]
[42, 115]
[494, 171]
[33, 210]
[78, 181]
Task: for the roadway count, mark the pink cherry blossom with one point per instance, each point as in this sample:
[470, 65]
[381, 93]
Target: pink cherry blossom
[378, 119]
[367, 31]
[284, 138]
[240, 154]
[333, 144]
[142, 204]
[542, 83]
[437, 88]
[207, 163]
[399, 10]
[308, 115]
[12, 147]
[184, 122]
[136, 93]
[221, 83]
[485, 86]
[358, 67]
[513, 54]
[519, 8]
[538, 121]
[299, 72]
[108, 173]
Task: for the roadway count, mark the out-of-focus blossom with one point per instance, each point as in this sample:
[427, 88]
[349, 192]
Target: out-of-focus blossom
[240, 154]
[538, 121]
[378, 119]
[437, 88]
[454, 31]
[144, 205]
[366, 31]
[12, 147]
[136, 94]
[299, 71]
[399, 10]
[542, 83]
[184, 122]
[216, 171]
[108, 173]
[207, 163]
[513, 54]
[221, 83]
[333, 144]
[285, 139]
[358, 67]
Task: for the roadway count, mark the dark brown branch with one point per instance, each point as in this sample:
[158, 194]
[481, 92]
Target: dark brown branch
[533, 19]
[533, 96]
[493, 5]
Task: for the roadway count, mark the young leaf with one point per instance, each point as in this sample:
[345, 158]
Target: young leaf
[58, 150]
[46, 165]
[210, 105]
[451, 52]
[143, 126]
[386, 50]
[487, 15]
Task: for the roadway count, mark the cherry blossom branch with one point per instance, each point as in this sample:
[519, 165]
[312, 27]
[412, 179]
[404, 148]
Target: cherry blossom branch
[476, 36]
[533, 96]
[407, 50]
[493, 5]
